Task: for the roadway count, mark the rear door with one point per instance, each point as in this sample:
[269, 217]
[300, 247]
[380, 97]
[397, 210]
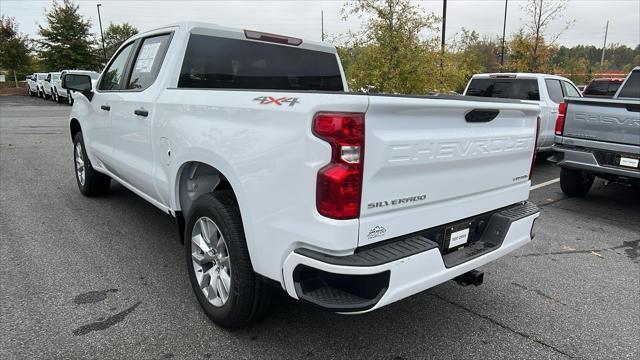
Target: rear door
[132, 114]
[550, 111]
[431, 161]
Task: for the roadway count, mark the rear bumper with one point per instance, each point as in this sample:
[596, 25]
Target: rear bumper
[377, 276]
[593, 160]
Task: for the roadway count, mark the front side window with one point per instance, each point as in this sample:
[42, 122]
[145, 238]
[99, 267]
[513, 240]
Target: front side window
[115, 72]
[555, 90]
[56, 76]
[522, 89]
[570, 90]
[148, 62]
[631, 88]
[213, 62]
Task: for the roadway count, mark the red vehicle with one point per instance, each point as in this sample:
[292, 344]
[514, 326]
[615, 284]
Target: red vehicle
[602, 87]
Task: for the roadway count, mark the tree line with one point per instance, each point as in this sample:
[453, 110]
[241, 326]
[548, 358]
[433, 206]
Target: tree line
[397, 50]
[65, 42]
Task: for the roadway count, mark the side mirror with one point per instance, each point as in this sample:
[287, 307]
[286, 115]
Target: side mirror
[78, 82]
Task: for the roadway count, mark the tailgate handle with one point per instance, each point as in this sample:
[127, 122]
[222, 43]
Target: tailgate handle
[481, 115]
[633, 107]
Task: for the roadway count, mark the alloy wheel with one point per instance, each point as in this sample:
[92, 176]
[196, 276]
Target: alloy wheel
[211, 264]
[79, 158]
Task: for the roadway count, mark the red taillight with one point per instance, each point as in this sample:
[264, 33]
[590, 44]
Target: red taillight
[339, 184]
[562, 111]
[535, 148]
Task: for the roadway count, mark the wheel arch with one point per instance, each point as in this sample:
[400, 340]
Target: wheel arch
[193, 179]
[74, 127]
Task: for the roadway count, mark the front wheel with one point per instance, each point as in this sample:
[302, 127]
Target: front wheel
[90, 182]
[575, 183]
[218, 262]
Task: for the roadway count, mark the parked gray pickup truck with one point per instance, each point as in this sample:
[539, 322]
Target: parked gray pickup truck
[599, 138]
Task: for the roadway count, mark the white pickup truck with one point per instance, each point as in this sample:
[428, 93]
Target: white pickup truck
[547, 91]
[277, 175]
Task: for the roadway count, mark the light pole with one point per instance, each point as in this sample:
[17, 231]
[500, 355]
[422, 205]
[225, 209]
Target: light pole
[104, 52]
[504, 30]
[444, 26]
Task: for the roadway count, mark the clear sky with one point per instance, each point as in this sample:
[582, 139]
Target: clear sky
[301, 18]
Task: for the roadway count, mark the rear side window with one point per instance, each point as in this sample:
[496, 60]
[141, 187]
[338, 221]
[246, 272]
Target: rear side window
[523, 89]
[148, 62]
[213, 62]
[631, 88]
[555, 90]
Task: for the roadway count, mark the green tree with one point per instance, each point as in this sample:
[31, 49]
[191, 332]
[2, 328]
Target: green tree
[67, 42]
[14, 52]
[387, 54]
[115, 35]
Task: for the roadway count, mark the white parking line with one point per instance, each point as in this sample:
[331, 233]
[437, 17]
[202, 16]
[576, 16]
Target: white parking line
[538, 186]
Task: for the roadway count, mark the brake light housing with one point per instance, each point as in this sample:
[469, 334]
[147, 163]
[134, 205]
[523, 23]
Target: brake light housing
[339, 183]
[562, 111]
[535, 148]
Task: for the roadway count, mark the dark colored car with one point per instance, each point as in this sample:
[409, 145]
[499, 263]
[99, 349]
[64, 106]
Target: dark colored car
[603, 88]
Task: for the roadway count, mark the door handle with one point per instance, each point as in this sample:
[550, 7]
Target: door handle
[141, 112]
[105, 107]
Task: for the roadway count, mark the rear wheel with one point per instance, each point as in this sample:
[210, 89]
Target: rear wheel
[90, 182]
[58, 98]
[575, 183]
[218, 262]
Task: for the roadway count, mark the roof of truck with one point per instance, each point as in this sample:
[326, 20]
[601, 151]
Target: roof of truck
[520, 75]
[205, 28]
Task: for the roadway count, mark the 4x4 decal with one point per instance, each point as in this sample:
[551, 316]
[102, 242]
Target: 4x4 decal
[265, 100]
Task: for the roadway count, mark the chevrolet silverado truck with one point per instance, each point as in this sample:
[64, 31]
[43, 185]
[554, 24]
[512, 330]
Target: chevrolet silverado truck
[545, 90]
[33, 83]
[599, 138]
[279, 177]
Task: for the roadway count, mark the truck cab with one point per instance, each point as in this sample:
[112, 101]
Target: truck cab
[547, 91]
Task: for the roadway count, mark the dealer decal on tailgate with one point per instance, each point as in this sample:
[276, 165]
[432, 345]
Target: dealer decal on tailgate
[266, 100]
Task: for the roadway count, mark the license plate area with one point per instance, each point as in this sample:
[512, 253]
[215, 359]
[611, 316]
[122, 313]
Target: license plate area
[627, 161]
[458, 235]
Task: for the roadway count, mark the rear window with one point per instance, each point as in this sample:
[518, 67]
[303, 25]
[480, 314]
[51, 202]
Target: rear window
[523, 89]
[213, 62]
[602, 88]
[631, 88]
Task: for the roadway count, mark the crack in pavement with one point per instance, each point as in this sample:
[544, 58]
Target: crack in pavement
[630, 248]
[496, 322]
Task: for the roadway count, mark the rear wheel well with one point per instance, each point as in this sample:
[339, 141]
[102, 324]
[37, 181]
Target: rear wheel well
[196, 179]
[74, 127]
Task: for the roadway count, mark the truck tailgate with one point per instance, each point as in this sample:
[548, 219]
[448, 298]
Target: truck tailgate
[425, 164]
[608, 120]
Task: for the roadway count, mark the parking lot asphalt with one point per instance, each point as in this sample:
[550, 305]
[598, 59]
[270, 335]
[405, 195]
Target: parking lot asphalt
[105, 277]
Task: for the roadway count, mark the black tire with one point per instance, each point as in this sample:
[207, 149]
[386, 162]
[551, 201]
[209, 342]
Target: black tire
[58, 98]
[575, 183]
[249, 297]
[95, 183]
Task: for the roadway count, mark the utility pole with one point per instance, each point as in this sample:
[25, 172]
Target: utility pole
[504, 31]
[322, 23]
[104, 52]
[604, 46]
[444, 26]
